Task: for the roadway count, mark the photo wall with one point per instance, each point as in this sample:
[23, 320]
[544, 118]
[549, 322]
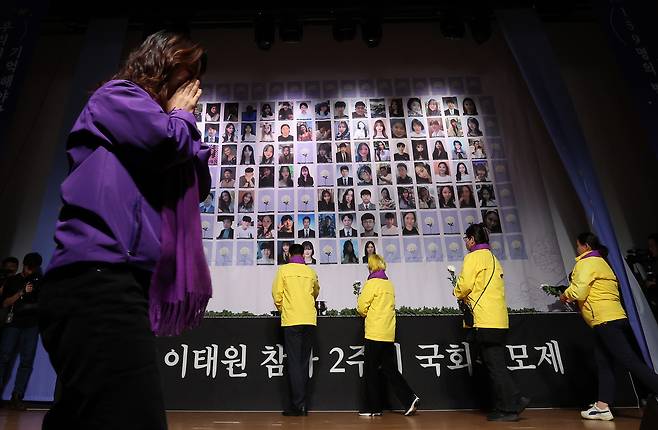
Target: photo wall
[348, 176]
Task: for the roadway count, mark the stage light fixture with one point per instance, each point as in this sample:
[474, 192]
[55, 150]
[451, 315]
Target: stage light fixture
[452, 25]
[290, 29]
[371, 31]
[264, 31]
[344, 28]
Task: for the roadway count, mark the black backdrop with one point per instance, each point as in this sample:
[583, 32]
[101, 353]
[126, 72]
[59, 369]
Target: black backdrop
[567, 381]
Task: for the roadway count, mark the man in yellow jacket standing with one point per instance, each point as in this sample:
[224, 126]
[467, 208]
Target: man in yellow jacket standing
[294, 291]
[482, 286]
[377, 304]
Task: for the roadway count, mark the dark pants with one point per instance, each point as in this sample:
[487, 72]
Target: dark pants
[298, 340]
[615, 344]
[490, 342]
[379, 367]
[95, 326]
[26, 339]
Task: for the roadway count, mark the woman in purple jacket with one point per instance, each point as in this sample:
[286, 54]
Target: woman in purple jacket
[128, 261]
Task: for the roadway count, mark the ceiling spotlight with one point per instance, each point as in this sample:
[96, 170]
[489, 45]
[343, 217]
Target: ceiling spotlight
[290, 29]
[452, 25]
[371, 31]
[344, 28]
[264, 31]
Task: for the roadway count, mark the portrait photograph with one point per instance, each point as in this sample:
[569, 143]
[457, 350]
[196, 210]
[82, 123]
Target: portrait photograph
[322, 110]
[285, 132]
[360, 129]
[414, 107]
[249, 112]
[266, 111]
[265, 253]
[323, 131]
[304, 131]
[426, 197]
[304, 110]
[476, 148]
[326, 225]
[406, 199]
[386, 198]
[212, 112]
[395, 109]
[231, 112]
[325, 153]
[388, 224]
[211, 133]
[285, 112]
[454, 127]
[398, 129]
[433, 107]
[384, 174]
[248, 132]
[377, 108]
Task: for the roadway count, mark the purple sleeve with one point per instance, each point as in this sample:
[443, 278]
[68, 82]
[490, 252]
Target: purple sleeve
[126, 115]
[203, 171]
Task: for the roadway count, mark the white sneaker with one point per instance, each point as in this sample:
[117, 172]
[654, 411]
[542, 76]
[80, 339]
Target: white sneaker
[594, 413]
[412, 408]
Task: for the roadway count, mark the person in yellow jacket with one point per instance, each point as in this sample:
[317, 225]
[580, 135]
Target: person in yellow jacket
[595, 288]
[294, 291]
[481, 285]
[376, 303]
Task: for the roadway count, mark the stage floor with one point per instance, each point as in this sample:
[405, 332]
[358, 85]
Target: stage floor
[559, 419]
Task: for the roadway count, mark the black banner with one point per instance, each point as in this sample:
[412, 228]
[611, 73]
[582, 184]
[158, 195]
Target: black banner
[237, 364]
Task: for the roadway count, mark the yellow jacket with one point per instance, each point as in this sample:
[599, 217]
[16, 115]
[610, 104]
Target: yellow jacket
[594, 286]
[491, 310]
[294, 291]
[377, 303]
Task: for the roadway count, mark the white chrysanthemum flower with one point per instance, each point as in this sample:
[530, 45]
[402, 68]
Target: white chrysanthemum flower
[412, 248]
[223, 251]
[516, 244]
[495, 245]
[432, 247]
[285, 199]
[451, 268]
[266, 200]
[453, 247]
[450, 221]
[429, 221]
[510, 218]
[470, 219]
[327, 249]
[244, 251]
[390, 248]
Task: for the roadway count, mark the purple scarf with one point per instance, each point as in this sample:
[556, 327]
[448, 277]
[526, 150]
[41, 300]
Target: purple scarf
[593, 253]
[480, 246]
[297, 259]
[180, 286]
[379, 274]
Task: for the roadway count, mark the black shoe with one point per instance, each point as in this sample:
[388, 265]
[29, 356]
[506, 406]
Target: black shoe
[294, 413]
[523, 403]
[502, 416]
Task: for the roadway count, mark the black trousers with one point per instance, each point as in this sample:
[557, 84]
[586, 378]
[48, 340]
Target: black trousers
[298, 343]
[380, 367]
[95, 327]
[490, 342]
[615, 344]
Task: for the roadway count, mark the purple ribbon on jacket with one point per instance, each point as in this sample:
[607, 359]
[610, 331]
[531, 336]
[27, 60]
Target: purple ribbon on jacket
[379, 274]
[480, 246]
[181, 285]
[593, 253]
[297, 259]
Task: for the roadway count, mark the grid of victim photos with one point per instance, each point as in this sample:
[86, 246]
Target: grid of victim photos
[400, 176]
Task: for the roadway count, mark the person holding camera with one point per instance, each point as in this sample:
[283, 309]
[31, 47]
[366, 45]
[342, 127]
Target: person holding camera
[20, 296]
[481, 288]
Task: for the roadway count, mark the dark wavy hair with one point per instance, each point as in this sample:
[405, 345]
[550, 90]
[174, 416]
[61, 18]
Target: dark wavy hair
[152, 64]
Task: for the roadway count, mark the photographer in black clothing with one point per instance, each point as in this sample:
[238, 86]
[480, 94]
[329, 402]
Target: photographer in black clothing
[20, 295]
